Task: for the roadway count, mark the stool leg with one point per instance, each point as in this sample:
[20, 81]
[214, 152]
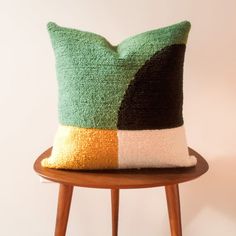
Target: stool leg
[173, 203]
[63, 209]
[115, 210]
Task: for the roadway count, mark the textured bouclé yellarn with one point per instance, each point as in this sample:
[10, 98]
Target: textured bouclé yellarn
[115, 100]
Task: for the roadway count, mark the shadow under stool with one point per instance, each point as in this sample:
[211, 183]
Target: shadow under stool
[121, 179]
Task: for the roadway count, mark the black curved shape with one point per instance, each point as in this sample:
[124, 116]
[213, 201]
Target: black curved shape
[154, 97]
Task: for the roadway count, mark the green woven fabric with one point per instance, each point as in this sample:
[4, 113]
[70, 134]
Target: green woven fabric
[93, 75]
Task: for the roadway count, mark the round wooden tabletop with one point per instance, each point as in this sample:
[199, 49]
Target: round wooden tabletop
[123, 178]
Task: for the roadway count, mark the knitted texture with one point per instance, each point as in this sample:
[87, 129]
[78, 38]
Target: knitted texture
[80, 148]
[153, 148]
[152, 102]
[93, 75]
[83, 148]
[109, 96]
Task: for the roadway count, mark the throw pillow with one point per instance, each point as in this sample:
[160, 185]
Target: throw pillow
[120, 106]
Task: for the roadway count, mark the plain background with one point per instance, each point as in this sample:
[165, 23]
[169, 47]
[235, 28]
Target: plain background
[28, 102]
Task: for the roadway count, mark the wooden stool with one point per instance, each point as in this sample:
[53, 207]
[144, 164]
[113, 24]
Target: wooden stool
[121, 179]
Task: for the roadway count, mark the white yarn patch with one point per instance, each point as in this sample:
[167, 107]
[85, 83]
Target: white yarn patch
[153, 148]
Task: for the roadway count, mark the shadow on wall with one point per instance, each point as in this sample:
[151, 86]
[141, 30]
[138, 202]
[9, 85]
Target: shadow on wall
[216, 189]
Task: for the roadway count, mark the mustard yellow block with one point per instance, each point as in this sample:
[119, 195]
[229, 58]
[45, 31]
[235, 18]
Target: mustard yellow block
[83, 148]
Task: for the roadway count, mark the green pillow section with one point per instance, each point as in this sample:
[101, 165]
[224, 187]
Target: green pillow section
[93, 75]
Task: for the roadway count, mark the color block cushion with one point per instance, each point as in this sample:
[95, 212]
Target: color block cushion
[120, 106]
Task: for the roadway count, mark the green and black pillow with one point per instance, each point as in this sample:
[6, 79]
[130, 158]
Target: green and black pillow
[120, 106]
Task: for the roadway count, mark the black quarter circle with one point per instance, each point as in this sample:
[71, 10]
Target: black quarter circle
[154, 97]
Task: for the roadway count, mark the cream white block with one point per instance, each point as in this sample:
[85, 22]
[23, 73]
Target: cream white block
[153, 148]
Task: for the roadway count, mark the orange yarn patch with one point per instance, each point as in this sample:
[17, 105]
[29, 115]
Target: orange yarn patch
[81, 148]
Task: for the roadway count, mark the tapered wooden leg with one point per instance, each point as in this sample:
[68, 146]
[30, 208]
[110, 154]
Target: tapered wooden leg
[173, 203]
[115, 210]
[63, 209]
